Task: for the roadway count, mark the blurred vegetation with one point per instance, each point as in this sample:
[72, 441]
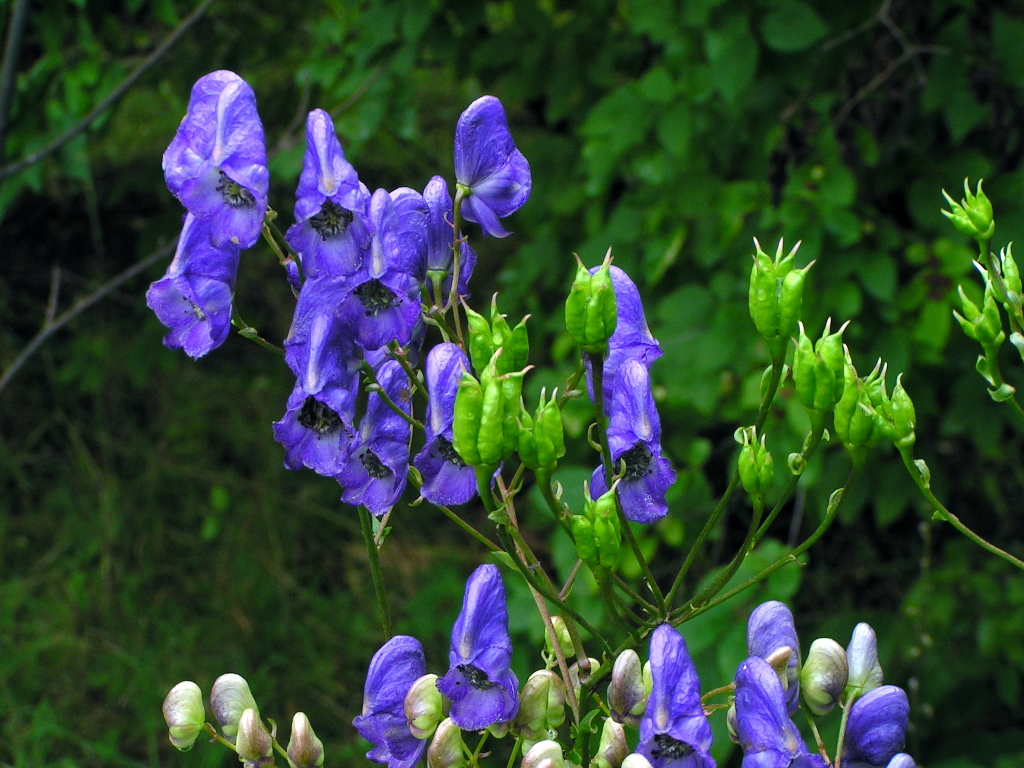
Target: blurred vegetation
[148, 532]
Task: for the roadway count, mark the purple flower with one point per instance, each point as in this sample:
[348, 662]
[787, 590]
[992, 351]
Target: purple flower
[332, 229]
[674, 732]
[194, 297]
[383, 304]
[487, 163]
[634, 439]
[768, 737]
[394, 668]
[447, 478]
[480, 684]
[770, 628]
[217, 162]
[377, 467]
[319, 348]
[441, 239]
[316, 430]
[876, 728]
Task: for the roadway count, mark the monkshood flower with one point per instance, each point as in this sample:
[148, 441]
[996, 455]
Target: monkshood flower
[876, 728]
[193, 299]
[674, 732]
[316, 430]
[493, 173]
[378, 463]
[447, 479]
[383, 303]
[634, 439]
[393, 670]
[480, 684]
[217, 162]
[441, 239]
[862, 659]
[769, 628]
[332, 227]
[319, 348]
[632, 339]
[768, 737]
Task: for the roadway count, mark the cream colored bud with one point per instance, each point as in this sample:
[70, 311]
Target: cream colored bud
[613, 748]
[446, 748]
[424, 707]
[544, 754]
[185, 715]
[541, 707]
[823, 676]
[305, 750]
[254, 744]
[578, 679]
[636, 760]
[564, 638]
[627, 694]
[229, 698]
[779, 661]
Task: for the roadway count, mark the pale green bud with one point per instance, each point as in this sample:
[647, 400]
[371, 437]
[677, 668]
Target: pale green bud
[823, 676]
[636, 760]
[424, 707]
[627, 696]
[578, 677]
[446, 748]
[862, 659]
[563, 637]
[229, 698]
[185, 715]
[254, 744]
[544, 754]
[541, 707]
[305, 750]
[731, 725]
[613, 747]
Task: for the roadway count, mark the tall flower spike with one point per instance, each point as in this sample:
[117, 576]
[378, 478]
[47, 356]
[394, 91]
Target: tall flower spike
[674, 732]
[768, 737]
[876, 728]
[217, 162]
[769, 629]
[393, 670]
[446, 477]
[634, 439]
[494, 174]
[332, 228]
[377, 468]
[479, 683]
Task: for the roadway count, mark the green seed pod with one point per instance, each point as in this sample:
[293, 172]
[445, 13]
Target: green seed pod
[541, 438]
[490, 442]
[519, 346]
[904, 418]
[466, 423]
[972, 216]
[481, 342]
[818, 369]
[590, 309]
[756, 467]
[854, 424]
[775, 294]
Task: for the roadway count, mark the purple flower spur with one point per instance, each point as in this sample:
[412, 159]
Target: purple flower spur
[770, 628]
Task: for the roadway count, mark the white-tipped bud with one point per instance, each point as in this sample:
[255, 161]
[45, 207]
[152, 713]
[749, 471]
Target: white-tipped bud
[564, 638]
[636, 760]
[578, 678]
[613, 748]
[254, 744]
[732, 725]
[305, 750]
[424, 707]
[862, 658]
[445, 750]
[541, 707]
[627, 694]
[185, 715]
[823, 676]
[779, 661]
[544, 754]
[229, 698]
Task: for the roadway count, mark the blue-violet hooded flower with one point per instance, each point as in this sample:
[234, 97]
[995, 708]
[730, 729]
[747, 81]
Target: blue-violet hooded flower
[480, 684]
[316, 430]
[217, 162]
[769, 628]
[494, 173]
[393, 670]
[441, 240]
[876, 728]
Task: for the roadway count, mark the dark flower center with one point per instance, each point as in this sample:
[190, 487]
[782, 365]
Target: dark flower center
[331, 220]
[195, 310]
[374, 466]
[670, 748]
[376, 296]
[448, 452]
[234, 194]
[477, 677]
[318, 417]
[637, 460]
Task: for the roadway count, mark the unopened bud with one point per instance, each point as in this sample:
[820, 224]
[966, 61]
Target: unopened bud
[590, 309]
[229, 698]
[578, 678]
[731, 724]
[541, 707]
[972, 216]
[824, 676]
[544, 754]
[305, 750]
[424, 707]
[446, 748]
[185, 715]
[613, 747]
[627, 696]
[636, 760]
[862, 659]
[254, 744]
[562, 636]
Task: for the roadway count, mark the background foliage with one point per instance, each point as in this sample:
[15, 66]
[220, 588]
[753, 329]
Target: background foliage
[147, 530]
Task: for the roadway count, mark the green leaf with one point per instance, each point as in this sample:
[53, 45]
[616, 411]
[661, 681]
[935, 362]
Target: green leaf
[792, 26]
[733, 54]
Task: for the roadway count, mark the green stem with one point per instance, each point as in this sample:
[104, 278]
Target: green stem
[908, 461]
[214, 736]
[397, 353]
[371, 376]
[998, 285]
[817, 737]
[375, 573]
[842, 731]
[248, 332]
[997, 381]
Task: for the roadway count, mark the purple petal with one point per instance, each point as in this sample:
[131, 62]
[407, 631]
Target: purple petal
[196, 309]
[769, 628]
[488, 162]
[475, 209]
[877, 726]
[407, 233]
[447, 478]
[316, 431]
[445, 365]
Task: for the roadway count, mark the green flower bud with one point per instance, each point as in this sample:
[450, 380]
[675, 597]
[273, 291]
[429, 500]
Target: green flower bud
[481, 342]
[229, 698]
[541, 708]
[818, 369]
[185, 715]
[597, 532]
[469, 401]
[613, 747]
[776, 289]
[541, 438]
[305, 750]
[627, 694]
[823, 676]
[755, 463]
[424, 707]
[972, 216]
[446, 749]
[731, 725]
[590, 310]
[254, 744]
[544, 754]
